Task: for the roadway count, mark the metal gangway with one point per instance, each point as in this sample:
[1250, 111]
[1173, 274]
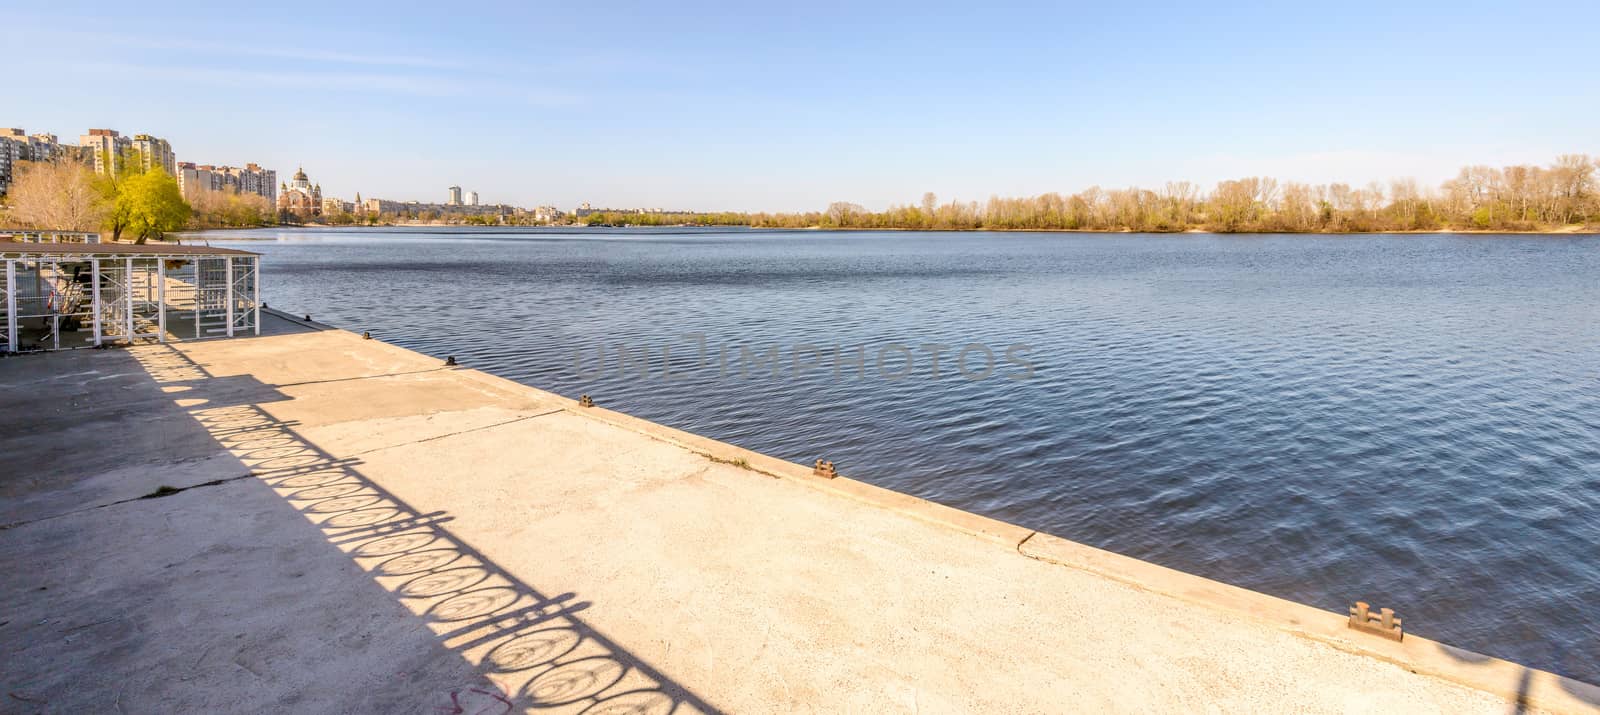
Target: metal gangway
[63, 295]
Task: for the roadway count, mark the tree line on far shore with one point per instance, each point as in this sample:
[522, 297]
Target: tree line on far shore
[1564, 194]
[146, 202]
[135, 201]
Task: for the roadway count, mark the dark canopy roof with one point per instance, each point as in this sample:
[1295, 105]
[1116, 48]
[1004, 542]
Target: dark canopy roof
[113, 250]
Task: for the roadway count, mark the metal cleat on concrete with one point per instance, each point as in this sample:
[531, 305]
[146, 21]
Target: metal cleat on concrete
[824, 469]
[585, 401]
[1383, 623]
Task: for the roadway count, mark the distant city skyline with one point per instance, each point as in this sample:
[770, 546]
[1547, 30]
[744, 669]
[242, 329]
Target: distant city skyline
[740, 107]
[103, 149]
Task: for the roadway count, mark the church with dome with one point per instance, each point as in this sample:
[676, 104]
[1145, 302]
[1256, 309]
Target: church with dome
[299, 196]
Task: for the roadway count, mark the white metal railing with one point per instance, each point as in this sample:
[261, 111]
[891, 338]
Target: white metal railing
[43, 299]
[29, 236]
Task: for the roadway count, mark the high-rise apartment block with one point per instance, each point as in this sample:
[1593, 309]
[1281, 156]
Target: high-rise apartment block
[155, 153]
[252, 179]
[17, 145]
[10, 154]
[194, 178]
[255, 180]
[106, 150]
[106, 147]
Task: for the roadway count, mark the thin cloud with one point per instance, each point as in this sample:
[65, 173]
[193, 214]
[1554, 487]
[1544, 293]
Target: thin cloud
[282, 53]
[401, 84]
[293, 53]
[420, 85]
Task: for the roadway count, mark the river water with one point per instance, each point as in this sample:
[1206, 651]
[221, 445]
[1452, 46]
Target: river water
[1413, 421]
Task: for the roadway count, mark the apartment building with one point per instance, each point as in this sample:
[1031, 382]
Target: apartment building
[252, 179]
[155, 153]
[107, 147]
[10, 154]
[17, 145]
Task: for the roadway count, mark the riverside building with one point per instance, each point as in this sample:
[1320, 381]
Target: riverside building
[155, 153]
[17, 145]
[107, 148]
[252, 179]
[299, 196]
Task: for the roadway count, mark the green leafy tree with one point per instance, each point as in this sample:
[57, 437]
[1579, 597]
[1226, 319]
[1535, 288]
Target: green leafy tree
[108, 189]
[149, 204]
[146, 203]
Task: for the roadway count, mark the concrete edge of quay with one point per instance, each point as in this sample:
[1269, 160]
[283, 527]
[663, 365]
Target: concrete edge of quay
[1525, 687]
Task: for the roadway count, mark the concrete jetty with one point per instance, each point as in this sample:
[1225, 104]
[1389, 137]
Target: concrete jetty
[307, 521]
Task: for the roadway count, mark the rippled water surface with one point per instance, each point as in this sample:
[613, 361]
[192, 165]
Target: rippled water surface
[1408, 420]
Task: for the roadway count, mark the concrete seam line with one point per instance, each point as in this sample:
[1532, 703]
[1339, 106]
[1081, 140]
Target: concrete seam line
[523, 418]
[143, 497]
[360, 377]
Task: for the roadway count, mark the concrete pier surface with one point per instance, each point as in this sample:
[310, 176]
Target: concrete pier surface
[311, 522]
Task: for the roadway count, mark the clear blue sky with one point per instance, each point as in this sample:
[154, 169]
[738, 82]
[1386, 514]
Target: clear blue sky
[738, 106]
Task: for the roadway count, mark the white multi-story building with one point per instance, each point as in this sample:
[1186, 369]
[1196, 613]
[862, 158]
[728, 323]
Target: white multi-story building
[455, 196]
[472, 198]
[17, 145]
[252, 179]
[107, 148]
[155, 153]
[194, 178]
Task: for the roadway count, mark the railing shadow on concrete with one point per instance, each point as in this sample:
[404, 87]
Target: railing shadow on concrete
[1522, 700]
[530, 643]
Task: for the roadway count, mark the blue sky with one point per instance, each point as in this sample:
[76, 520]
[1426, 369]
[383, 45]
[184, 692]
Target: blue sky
[790, 106]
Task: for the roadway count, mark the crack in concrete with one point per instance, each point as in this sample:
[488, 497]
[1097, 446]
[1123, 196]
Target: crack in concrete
[469, 430]
[1024, 542]
[162, 491]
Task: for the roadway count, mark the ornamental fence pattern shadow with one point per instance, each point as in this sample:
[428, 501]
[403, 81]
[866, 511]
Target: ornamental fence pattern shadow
[532, 646]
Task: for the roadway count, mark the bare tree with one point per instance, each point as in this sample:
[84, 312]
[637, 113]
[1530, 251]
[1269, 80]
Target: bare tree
[57, 195]
[1179, 200]
[842, 212]
[1233, 204]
